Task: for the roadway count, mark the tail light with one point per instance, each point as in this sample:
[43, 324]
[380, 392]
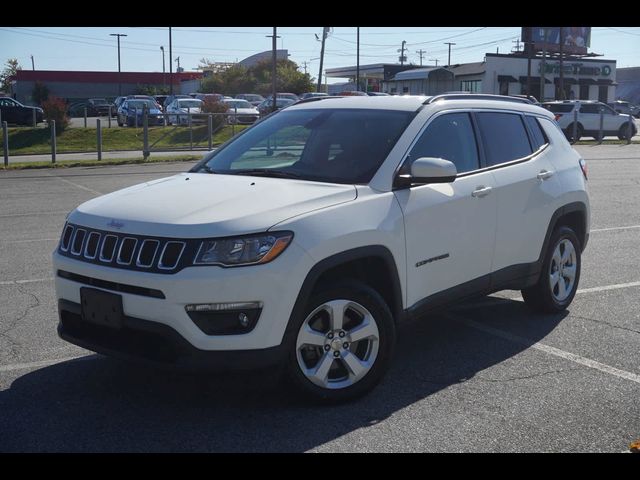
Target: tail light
[583, 167]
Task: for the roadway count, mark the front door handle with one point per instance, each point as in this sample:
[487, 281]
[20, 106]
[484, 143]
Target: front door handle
[481, 191]
[544, 175]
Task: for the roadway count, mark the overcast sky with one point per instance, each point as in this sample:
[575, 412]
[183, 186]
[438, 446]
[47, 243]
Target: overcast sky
[75, 48]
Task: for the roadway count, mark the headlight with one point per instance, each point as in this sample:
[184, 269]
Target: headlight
[249, 250]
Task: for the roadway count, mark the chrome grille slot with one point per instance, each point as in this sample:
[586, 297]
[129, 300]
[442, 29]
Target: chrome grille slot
[127, 248]
[108, 248]
[91, 247]
[66, 238]
[170, 255]
[147, 253]
[78, 240]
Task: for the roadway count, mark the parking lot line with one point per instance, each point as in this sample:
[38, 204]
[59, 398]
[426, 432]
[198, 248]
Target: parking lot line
[43, 363]
[572, 357]
[20, 282]
[56, 212]
[614, 228]
[82, 187]
[608, 287]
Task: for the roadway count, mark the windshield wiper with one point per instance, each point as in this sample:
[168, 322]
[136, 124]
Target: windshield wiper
[207, 169]
[264, 172]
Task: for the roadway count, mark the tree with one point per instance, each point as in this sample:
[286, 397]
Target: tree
[40, 93]
[231, 81]
[288, 77]
[10, 69]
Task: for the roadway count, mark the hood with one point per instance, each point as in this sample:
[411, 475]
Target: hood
[196, 205]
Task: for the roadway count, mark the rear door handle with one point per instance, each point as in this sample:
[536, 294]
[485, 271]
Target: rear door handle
[544, 175]
[481, 191]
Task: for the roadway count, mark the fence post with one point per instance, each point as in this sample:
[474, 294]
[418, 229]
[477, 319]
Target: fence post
[135, 117]
[85, 117]
[99, 139]
[53, 141]
[210, 130]
[600, 132]
[145, 133]
[109, 121]
[5, 142]
[235, 120]
[35, 122]
[575, 125]
[190, 129]
[630, 129]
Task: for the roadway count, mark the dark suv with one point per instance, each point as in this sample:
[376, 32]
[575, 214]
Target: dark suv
[14, 112]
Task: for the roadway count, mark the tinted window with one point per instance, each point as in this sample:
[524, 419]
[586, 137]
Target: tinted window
[450, 137]
[504, 136]
[590, 108]
[342, 146]
[559, 107]
[538, 138]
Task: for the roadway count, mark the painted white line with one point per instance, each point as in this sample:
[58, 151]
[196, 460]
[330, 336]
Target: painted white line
[608, 287]
[9, 215]
[31, 240]
[572, 357]
[20, 282]
[43, 363]
[82, 187]
[614, 228]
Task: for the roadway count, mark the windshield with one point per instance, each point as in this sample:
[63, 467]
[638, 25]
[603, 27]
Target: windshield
[341, 146]
[190, 103]
[238, 104]
[141, 103]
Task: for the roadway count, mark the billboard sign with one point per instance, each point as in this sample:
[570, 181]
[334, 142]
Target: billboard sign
[576, 39]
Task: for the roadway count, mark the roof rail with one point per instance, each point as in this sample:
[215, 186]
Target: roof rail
[316, 99]
[476, 96]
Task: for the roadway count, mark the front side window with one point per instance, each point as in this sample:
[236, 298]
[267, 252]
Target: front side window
[451, 137]
[504, 137]
[341, 146]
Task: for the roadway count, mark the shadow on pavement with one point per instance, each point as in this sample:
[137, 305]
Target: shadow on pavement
[105, 405]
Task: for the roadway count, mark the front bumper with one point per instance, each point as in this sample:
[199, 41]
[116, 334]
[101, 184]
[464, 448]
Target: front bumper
[157, 344]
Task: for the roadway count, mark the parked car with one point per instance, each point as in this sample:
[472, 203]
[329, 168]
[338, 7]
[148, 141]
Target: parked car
[265, 107]
[628, 108]
[118, 101]
[131, 112]
[253, 98]
[171, 98]
[377, 94]
[290, 96]
[160, 100]
[99, 107]
[179, 110]
[299, 246]
[216, 97]
[352, 93]
[614, 123]
[13, 112]
[312, 95]
[241, 112]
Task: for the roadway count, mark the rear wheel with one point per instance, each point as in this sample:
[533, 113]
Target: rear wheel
[569, 133]
[560, 274]
[343, 343]
[625, 132]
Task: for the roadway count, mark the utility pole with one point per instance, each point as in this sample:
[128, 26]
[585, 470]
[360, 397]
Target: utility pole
[325, 32]
[561, 83]
[358, 59]
[33, 65]
[449, 43]
[421, 53]
[517, 42]
[178, 61]
[164, 78]
[119, 73]
[274, 46]
[304, 65]
[528, 46]
[402, 49]
[434, 60]
[170, 65]
[543, 65]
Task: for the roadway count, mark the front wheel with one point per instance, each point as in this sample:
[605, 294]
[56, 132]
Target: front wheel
[625, 133]
[560, 274]
[569, 133]
[343, 344]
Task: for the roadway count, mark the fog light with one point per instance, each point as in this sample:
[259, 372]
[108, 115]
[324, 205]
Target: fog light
[244, 320]
[233, 318]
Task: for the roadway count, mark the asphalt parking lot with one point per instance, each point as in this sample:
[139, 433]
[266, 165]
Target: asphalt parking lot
[485, 376]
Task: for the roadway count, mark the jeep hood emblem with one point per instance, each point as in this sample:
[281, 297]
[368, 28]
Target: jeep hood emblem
[115, 224]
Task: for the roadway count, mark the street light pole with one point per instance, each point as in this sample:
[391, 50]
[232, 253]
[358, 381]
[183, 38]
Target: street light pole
[119, 72]
[164, 80]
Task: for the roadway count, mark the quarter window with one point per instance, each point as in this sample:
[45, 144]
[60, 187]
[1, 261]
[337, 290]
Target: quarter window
[504, 136]
[538, 138]
[450, 137]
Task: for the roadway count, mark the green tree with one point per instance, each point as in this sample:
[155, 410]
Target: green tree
[40, 93]
[235, 79]
[288, 77]
[10, 69]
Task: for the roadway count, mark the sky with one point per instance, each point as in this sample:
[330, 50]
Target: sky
[92, 48]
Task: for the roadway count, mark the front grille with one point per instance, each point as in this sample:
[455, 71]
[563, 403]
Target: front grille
[120, 250]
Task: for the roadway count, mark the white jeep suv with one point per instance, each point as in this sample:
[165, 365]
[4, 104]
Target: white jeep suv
[303, 241]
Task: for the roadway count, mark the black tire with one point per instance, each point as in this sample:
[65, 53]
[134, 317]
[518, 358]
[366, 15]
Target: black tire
[569, 133]
[623, 133]
[370, 299]
[541, 297]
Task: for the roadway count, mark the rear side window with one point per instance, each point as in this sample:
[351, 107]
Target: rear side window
[538, 137]
[590, 108]
[558, 107]
[451, 137]
[504, 136]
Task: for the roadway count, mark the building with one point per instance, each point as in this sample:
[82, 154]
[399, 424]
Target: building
[421, 81]
[371, 76]
[628, 87]
[78, 86]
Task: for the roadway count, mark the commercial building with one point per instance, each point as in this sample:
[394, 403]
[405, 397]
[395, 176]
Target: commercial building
[81, 85]
[628, 87]
[371, 76]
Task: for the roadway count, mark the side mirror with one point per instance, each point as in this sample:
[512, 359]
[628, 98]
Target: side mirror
[426, 170]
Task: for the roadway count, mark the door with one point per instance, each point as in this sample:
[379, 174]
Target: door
[450, 227]
[9, 110]
[525, 185]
